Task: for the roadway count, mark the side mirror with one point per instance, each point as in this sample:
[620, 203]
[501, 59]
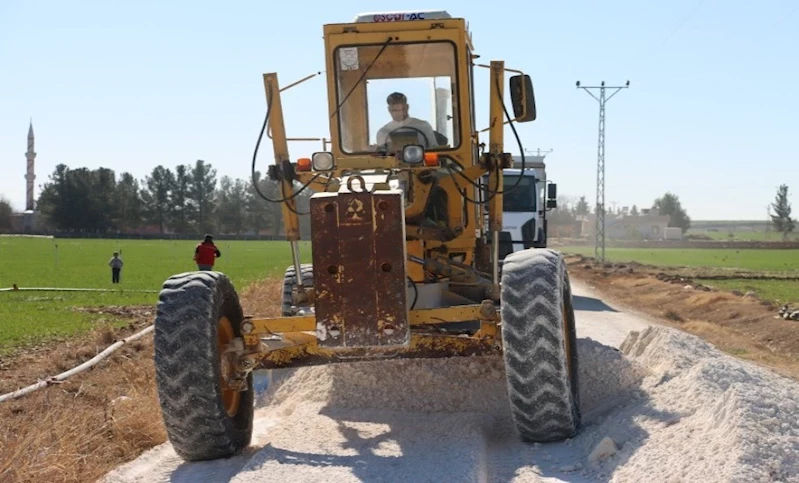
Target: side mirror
[552, 203]
[523, 98]
[552, 191]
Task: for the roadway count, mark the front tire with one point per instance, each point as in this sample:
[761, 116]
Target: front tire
[197, 314]
[539, 345]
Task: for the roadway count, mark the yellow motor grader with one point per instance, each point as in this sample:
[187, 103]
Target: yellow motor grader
[406, 222]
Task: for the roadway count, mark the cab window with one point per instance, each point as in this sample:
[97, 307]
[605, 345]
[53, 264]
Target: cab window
[410, 90]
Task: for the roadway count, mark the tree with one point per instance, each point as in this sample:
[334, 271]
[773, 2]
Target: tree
[565, 203]
[564, 213]
[634, 211]
[203, 194]
[79, 199]
[5, 214]
[155, 196]
[52, 199]
[781, 219]
[258, 209]
[129, 203]
[103, 199]
[231, 209]
[182, 209]
[669, 204]
[582, 208]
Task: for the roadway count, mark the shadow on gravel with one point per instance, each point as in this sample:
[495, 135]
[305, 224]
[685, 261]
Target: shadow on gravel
[590, 304]
[212, 471]
[612, 404]
[390, 446]
[449, 420]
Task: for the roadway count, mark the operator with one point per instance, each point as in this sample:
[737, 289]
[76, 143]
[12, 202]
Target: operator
[398, 108]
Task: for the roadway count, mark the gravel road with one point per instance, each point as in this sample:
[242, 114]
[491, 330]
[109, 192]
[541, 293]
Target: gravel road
[658, 405]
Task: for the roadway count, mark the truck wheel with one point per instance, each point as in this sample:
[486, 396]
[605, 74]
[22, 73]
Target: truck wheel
[197, 314]
[289, 280]
[539, 345]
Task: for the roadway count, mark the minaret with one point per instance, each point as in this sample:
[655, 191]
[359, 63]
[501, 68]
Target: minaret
[30, 176]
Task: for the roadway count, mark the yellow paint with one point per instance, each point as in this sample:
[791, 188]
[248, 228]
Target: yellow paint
[289, 207]
[463, 217]
[278, 325]
[231, 398]
[307, 323]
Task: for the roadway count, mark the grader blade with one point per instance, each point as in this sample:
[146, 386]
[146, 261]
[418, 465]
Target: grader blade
[359, 269]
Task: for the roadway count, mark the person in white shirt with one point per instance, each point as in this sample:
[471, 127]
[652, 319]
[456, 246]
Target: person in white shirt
[398, 108]
[116, 267]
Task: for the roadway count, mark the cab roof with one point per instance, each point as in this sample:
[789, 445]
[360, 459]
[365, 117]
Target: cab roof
[400, 16]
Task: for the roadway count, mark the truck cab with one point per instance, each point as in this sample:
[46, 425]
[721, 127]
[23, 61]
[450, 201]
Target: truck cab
[527, 198]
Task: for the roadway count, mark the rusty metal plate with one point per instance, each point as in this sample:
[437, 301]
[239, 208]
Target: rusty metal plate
[359, 269]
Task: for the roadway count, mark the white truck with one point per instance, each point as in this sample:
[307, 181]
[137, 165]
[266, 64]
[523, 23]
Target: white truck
[524, 214]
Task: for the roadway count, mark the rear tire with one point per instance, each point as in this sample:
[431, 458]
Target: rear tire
[289, 279]
[196, 312]
[539, 345]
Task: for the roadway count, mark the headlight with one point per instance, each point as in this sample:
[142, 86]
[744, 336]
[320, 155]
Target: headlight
[322, 161]
[413, 154]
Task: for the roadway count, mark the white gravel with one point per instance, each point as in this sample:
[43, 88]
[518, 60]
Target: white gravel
[668, 408]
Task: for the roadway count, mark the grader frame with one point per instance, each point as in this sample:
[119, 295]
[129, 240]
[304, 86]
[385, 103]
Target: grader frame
[403, 264]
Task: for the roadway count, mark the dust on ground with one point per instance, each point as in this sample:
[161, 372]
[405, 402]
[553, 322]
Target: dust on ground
[80, 428]
[737, 323]
[667, 407]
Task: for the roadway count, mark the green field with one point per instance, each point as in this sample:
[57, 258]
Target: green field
[27, 317]
[724, 235]
[777, 291]
[741, 230]
[777, 262]
[747, 259]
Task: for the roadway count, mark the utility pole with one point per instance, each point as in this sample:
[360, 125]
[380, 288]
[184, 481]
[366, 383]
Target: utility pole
[538, 151]
[599, 247]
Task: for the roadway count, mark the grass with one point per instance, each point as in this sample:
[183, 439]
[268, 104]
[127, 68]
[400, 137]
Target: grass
[776, 291]
[741, 235]
[755, 260]
[747, 259]
[29, 317]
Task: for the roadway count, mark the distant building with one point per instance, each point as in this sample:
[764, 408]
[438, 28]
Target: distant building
[28, 221]
[642, 227]
[674, 233]
[30, 173]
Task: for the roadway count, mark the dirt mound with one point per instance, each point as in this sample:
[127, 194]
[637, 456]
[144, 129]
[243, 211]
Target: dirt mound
[441, 385]
[389, 421]
[673, 407]
[737, 323]
[668, 407]
[728, 420]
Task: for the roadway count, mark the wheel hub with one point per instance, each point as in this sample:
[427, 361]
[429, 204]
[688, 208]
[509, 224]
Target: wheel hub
[230, 396]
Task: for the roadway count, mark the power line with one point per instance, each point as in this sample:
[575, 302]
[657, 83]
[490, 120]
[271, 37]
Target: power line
[673, 32]
[599, 246]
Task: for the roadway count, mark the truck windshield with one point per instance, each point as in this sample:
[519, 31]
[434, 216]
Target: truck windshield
[522, 197]
[408, 95]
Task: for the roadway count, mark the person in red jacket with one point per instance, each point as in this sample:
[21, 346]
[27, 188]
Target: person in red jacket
[206, 253]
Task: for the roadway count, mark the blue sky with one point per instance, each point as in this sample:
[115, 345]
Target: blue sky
[710, 114]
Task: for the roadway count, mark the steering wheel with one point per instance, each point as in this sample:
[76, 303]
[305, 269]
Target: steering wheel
[384, 147]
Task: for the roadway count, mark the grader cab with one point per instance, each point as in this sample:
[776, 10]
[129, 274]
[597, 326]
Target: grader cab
[404, 264]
